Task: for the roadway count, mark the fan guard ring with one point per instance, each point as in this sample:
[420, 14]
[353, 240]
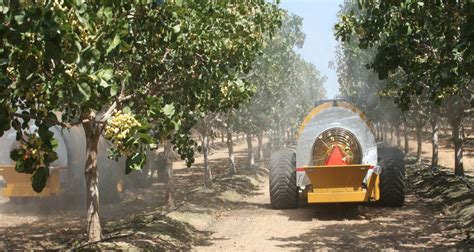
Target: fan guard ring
[337, 137]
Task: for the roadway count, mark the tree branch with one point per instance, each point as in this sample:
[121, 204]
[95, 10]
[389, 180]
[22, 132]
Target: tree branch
[55, 122]
[40, 118]
[109, 112]
[165, 56]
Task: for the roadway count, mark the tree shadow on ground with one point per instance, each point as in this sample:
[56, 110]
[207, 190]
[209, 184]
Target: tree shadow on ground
[140, 219]
[376, 228]
[245, 183]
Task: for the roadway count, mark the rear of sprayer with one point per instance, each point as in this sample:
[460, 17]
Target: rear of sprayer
[337, 160]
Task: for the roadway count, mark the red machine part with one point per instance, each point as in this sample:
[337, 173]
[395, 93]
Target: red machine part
[336, 157]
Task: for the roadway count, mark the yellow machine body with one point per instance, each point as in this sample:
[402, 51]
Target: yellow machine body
[19, 184]
[66, 172]
[348, 176]
[333, 184]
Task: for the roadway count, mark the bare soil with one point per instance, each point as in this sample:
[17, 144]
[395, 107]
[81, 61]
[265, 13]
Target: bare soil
[234, 214]
[257, 227]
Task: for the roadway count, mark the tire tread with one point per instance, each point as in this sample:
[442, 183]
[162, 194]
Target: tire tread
[392, 179]
[283, 188]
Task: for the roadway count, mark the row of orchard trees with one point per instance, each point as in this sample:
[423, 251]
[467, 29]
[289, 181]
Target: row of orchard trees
[416, 58]
[145, 72]
[286, 88]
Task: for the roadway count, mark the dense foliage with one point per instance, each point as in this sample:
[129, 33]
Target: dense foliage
[163, 63]
[421, 52]
[287, 85]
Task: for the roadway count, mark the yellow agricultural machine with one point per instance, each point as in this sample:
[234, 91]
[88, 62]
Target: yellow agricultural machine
[66, 173]
[337, 161]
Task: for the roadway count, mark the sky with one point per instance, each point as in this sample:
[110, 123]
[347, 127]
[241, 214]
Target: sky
[319, 18]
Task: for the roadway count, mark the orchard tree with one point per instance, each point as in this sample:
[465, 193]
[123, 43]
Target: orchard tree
[308, 88]
[228, 120]
[269, 75]
[138, 71]
[284, 83]
[429, 42]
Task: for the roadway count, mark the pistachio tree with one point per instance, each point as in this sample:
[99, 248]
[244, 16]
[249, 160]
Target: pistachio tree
[138, 71]
[429, 41]
[270, 76]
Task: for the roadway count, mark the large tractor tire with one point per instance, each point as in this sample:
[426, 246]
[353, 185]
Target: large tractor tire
[283, 189]
[392, 178]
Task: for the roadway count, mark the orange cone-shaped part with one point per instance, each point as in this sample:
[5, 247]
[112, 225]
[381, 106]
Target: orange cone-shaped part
[336, 157]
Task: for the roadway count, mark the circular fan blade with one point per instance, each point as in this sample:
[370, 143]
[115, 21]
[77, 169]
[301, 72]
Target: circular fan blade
[337, 137]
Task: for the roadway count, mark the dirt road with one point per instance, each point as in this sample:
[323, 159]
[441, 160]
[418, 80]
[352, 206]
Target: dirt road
[256, 227]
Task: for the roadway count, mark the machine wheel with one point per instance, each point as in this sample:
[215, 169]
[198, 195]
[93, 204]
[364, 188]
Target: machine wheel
[283, 189]
[392, 179]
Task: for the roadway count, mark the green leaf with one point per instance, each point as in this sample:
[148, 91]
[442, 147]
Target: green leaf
[145, 138]
[177, 28]
[127, 110]
[24, 165]
[113, 90]
[16, 154]
[104, 83]
[135, 162]
[169, 110]
[85, 91]
[19, 18]
[106, 74]
[5, 123]
[39, 179]
[44, 133]
[115, 42]
[4, 9]
[50, 157]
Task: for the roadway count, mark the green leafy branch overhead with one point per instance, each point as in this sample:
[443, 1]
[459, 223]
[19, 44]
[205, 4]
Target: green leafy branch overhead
[165, 63]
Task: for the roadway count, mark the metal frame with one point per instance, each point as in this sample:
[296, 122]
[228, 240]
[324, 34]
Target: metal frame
[335, 184]
[329, 115]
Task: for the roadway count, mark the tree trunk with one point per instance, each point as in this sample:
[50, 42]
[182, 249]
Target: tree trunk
[250, 156]
[381, 131]
[283, 134]
[230, 147]
[168, 154]
[288, 137]
[385, 132]
[378, 132]
[391, 134]
[222, 137]
[207, 169]
[405, 136]
[419, 142]
[260, 145]
[434, 142]
[94, 229]
[445, 129]
[399, 140]
[457, 129]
